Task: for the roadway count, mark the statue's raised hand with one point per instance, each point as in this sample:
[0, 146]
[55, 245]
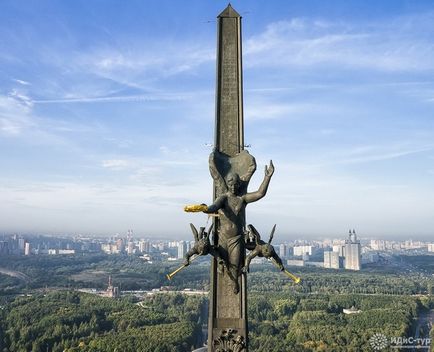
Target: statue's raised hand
[269, 170]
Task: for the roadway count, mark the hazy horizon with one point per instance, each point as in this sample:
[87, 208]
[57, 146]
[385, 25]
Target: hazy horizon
[186, 235]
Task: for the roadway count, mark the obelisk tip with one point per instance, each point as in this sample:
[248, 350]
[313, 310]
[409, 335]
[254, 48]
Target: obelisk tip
[229, 12]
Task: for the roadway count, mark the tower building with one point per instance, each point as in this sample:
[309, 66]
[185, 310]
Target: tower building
[353, 256]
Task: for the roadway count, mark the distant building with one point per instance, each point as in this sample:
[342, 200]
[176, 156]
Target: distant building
[21, 244]
[300, 250]
[4, 247]
[331, 260]
[66, 251]
[181, 249]
[130, 248]
[352, 310]
[144, 246]
[353, 260]
[340, 249]
[315, 264]
[283, 252]
[27, 248]
[112, 291]
[378, 245]
[188, 245]
[120, 245]
[430, 247]
[295, 262]
[107, 248]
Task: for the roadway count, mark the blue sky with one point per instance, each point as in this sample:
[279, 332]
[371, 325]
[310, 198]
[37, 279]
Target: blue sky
[106, 108]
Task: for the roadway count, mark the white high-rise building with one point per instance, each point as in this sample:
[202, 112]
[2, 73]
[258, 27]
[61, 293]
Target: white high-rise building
[353, 256]
[300, 250]
[27, 248]
[430, 247]
[188, 245]
[130, 248]
[181, 249]
[378, 245]
[339, 249]
[144, 246]
[21, 243]
[283, 252]
[331, 260]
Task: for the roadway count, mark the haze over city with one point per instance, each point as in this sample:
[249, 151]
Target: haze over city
[107, 115]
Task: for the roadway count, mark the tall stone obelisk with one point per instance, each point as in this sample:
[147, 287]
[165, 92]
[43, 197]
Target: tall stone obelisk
[227, 309]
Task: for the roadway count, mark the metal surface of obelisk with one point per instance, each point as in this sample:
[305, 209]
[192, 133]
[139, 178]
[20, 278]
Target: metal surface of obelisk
[228, 310]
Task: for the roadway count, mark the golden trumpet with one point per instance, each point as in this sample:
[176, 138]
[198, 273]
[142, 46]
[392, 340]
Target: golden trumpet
[169, 276]
[173, 273]
[292, 276]
[195, 208]
[295, 278]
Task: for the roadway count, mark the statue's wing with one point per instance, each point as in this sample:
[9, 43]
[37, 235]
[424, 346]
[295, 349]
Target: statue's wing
[216, 175]
[195, 233]
[210, 228]
[254, 231]
[247, 165]
[272, 234]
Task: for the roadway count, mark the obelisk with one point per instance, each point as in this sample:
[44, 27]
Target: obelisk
[227, 309]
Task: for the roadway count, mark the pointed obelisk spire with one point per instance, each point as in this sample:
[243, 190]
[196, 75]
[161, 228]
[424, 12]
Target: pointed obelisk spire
[229, 12]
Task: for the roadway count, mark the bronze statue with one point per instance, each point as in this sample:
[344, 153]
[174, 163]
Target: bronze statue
[232, 175]
[202, 245]
[259, 248]
[229, 207]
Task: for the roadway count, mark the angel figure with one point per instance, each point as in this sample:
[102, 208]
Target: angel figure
[261, 249]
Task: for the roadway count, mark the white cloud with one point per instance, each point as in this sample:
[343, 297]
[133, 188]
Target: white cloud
[263, 109]
[116, 164]
[118, 99]
[15, 112]
[140, 64]
[369, 153]
[391, 46]
[20, 81]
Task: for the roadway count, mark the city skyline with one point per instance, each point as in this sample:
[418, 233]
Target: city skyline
[107, 111]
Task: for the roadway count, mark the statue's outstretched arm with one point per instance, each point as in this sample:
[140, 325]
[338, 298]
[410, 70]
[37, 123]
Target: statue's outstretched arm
[214, 207]
[249, 258]
[260, 193]
[208, 209]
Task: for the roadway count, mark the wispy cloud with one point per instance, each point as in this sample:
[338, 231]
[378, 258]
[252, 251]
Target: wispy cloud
[376, 153]
[22, 82]
[168, 60]
[15, 112]
[264, 109]
[116, 164]
[388, 46]
[119, 99]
